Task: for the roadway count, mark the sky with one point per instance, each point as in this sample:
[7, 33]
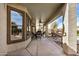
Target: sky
[77, 12]
[16, 17]
[59, 22]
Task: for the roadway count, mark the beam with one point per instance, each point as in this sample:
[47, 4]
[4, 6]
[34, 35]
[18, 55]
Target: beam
[58, 11]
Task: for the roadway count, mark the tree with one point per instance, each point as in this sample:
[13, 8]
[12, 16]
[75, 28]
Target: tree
[55, 27]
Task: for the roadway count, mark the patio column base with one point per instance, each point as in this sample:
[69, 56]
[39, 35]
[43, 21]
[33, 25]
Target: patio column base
[68, 51]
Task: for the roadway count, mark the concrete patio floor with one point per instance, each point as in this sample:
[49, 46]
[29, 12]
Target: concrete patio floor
[40, 47]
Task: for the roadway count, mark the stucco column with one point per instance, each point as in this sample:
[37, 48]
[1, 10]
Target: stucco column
[46, 30]
[70, 40]
[3, 30]
[31, 26]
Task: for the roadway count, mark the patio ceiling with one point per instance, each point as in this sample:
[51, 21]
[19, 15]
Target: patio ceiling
[41, 10]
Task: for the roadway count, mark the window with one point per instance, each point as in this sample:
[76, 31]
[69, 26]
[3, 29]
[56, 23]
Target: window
[15, 25]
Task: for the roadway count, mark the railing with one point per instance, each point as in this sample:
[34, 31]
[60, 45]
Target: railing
[56, 35]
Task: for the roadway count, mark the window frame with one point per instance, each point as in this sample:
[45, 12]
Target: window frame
[9, 41]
